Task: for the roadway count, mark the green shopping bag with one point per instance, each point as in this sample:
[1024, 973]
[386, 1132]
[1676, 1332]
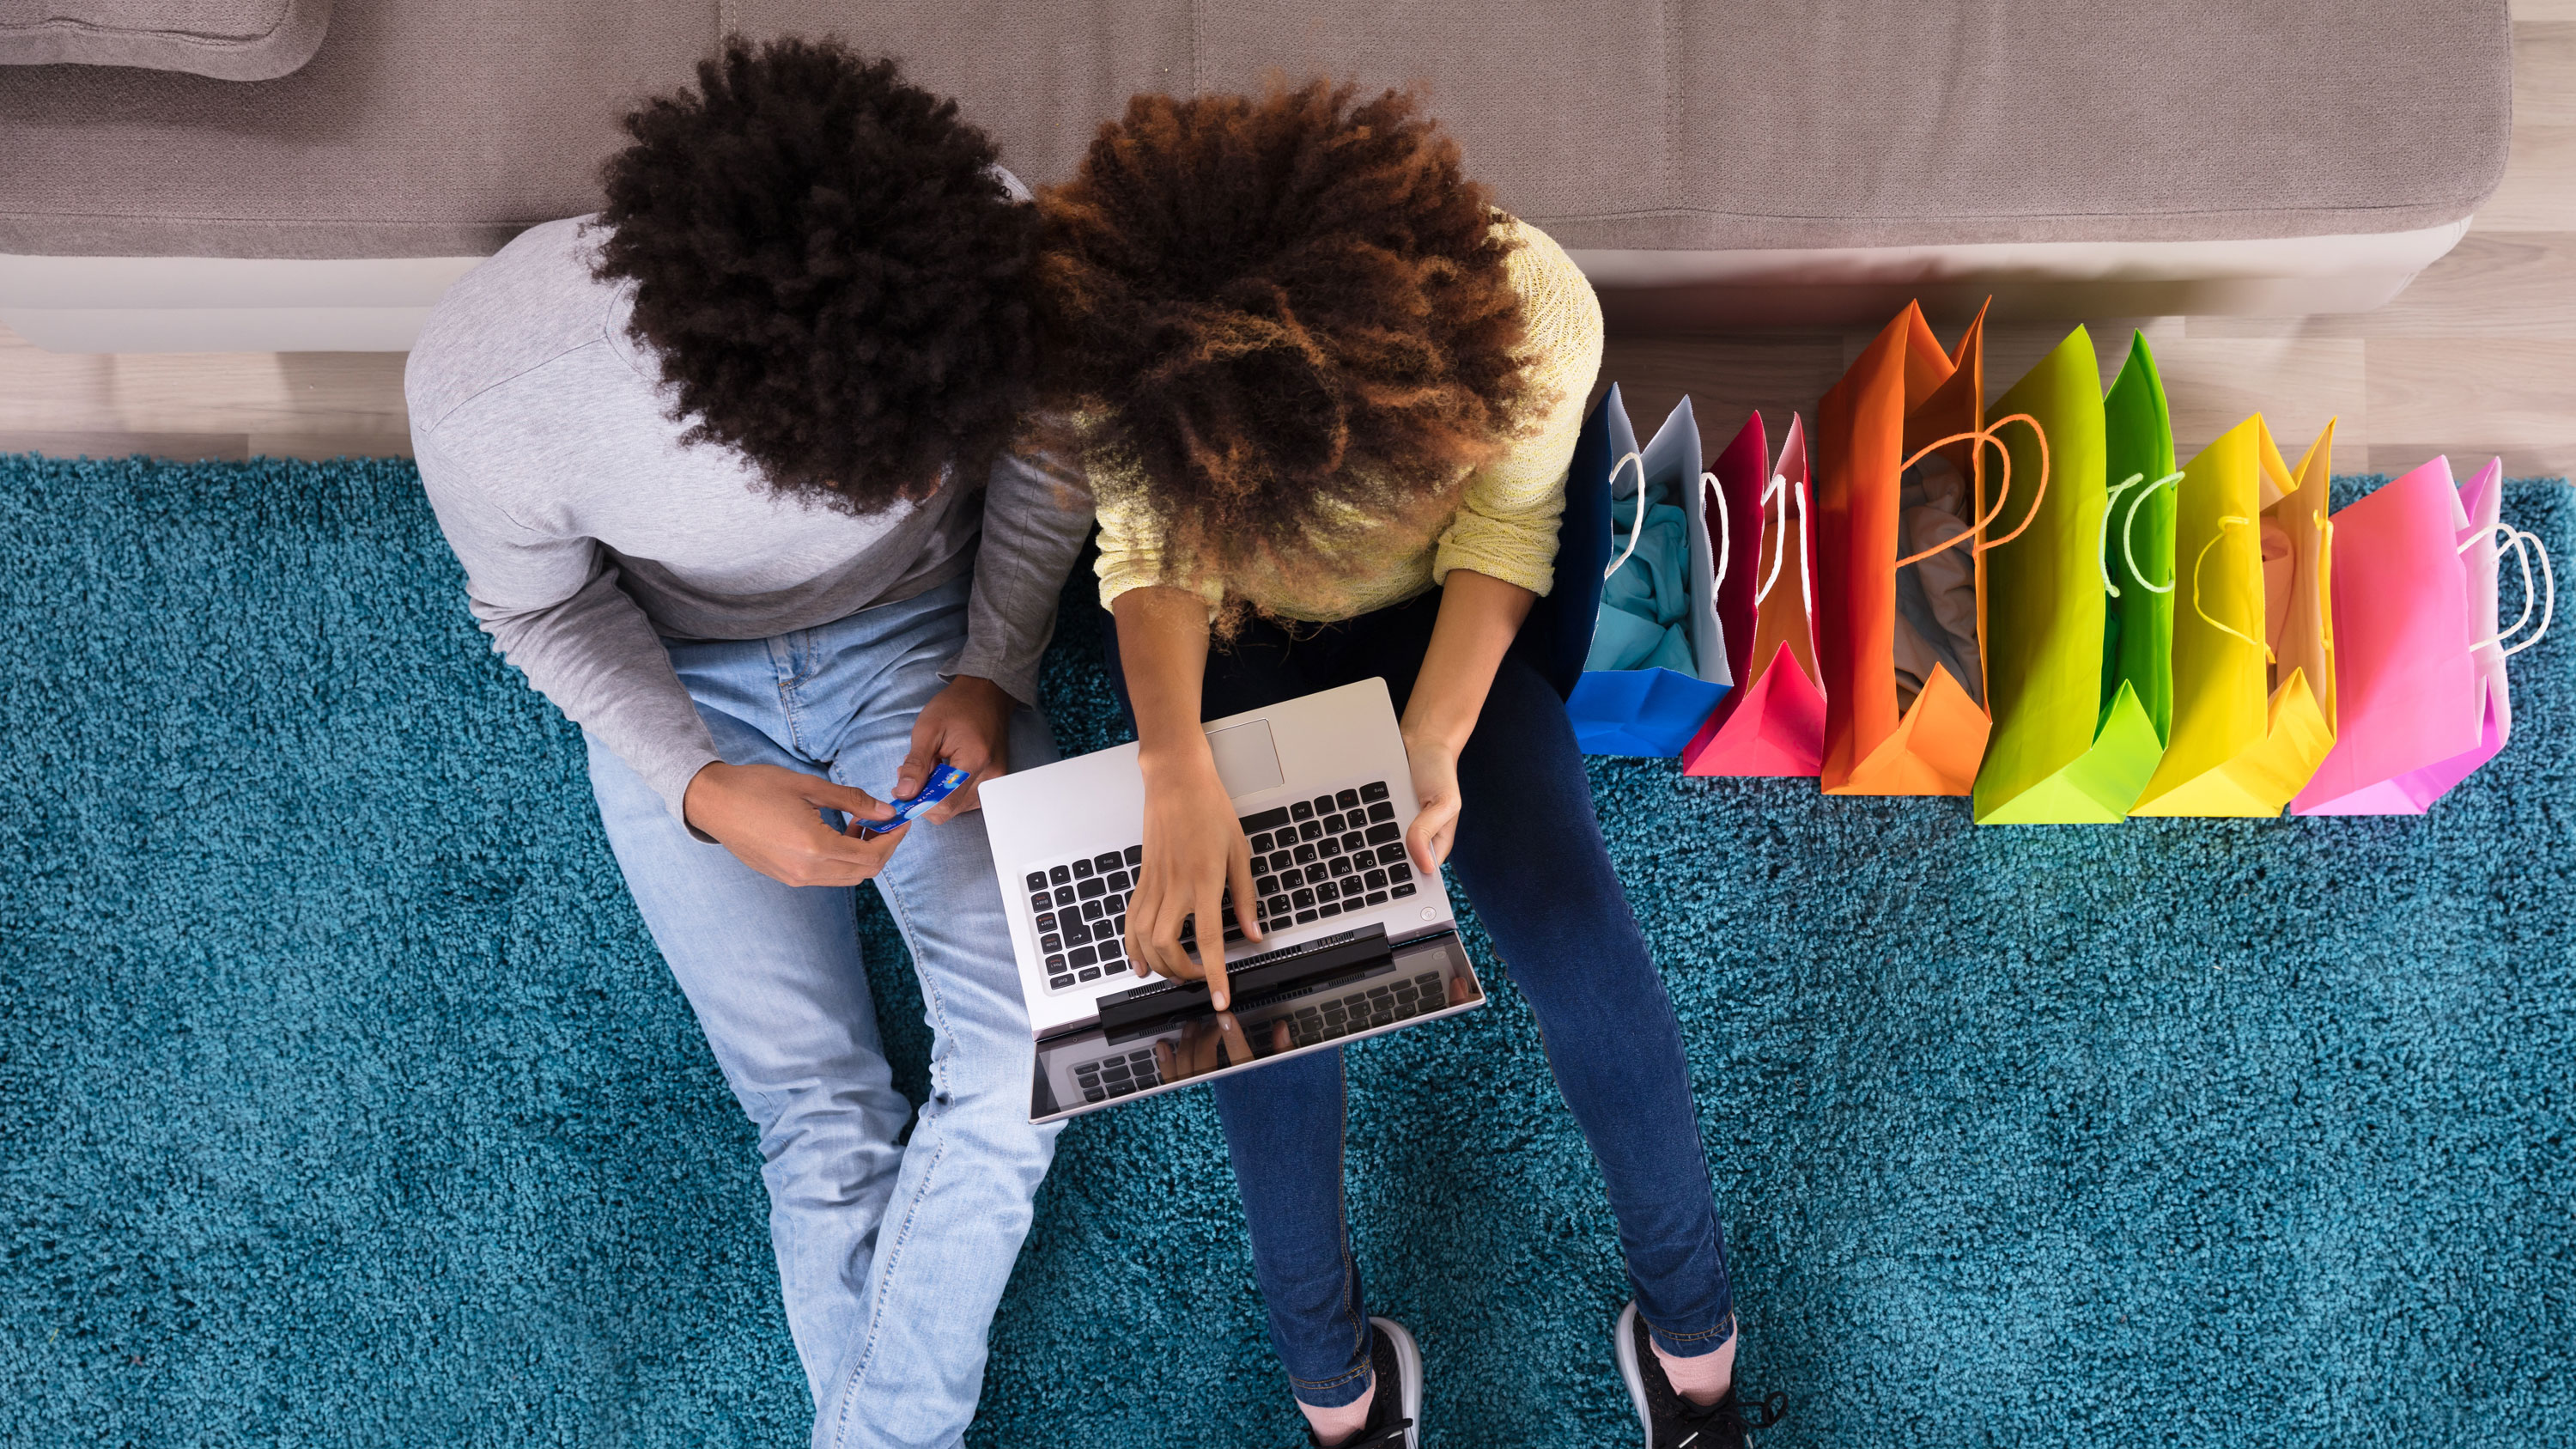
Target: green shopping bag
[2137, 545]
[2061, 752]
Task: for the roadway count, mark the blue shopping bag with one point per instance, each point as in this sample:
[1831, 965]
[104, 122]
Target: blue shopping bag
[1637, 683]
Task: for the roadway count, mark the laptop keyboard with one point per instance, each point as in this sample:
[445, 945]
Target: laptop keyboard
[1311, 859]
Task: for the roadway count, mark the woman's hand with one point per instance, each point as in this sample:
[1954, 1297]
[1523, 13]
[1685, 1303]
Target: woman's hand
[1194, 852]
[1194, 845]
[1210, 1044]
[1435, 786]
[1479, 615]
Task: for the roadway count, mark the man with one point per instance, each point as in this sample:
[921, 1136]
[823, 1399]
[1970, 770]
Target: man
[716, 462]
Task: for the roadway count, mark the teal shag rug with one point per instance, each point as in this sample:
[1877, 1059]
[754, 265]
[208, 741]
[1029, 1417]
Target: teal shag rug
[343, 1100]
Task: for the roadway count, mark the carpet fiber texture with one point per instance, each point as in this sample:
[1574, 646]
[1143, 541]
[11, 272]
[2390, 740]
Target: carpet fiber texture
[343, 1100]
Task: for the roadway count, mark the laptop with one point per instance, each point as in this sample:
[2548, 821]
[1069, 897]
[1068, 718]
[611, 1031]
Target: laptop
[1356, 942]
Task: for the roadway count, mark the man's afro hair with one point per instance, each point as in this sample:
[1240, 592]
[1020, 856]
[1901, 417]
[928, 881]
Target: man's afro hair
[830, 269]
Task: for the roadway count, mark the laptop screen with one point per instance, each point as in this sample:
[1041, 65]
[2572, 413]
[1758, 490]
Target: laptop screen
[1421, 980]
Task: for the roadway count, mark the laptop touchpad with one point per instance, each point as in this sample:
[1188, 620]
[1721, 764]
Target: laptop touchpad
[1245, 758]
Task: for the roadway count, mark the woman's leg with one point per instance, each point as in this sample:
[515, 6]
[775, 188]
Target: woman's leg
[1283, 1123]
[1530, 855]
[1283, 1132]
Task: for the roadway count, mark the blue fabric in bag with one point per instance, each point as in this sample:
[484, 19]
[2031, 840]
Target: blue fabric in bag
[1625, 651]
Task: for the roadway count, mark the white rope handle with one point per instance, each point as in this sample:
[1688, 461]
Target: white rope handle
[1637, 525]
[2129, 536]
[1778, 488]
[1806, 598]
[2128, 533]
[1710, 492]
[2524, 545]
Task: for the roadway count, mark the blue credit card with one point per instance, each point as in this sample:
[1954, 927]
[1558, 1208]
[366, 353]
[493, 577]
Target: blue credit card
[943, 783]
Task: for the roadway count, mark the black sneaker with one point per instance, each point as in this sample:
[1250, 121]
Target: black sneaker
[1673, 1422]
[1397, 1365]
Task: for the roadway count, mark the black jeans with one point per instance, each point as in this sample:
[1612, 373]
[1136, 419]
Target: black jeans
[1529, 856]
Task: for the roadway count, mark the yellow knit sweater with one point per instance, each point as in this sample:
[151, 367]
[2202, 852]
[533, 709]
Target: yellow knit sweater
[1505, 524]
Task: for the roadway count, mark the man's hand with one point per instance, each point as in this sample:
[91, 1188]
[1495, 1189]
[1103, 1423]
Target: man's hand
[968, 724]
[1435, 784]
[769, 818]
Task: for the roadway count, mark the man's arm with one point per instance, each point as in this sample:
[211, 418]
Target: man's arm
[1037, 512]
[553, 608]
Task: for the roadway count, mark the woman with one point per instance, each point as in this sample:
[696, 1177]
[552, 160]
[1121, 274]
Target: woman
[1328, 395]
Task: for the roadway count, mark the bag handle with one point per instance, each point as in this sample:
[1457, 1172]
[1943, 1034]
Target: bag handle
[1637, 525]
[1781, 488]
[1806, 586]
[2129, 533]
[2524, 545]
[1710, 492]
[1778, 488]
[2225, 523]
[2003, 486]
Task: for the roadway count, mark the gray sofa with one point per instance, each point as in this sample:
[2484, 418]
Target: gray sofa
[1709, 162]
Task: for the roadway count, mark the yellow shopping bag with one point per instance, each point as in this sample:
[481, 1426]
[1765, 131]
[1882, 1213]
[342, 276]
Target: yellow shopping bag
[2253, 641]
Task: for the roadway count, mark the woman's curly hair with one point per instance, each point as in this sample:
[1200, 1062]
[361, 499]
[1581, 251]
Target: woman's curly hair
[830, 269]
[1287, 317]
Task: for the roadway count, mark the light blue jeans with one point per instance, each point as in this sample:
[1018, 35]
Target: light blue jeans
[891, 1258]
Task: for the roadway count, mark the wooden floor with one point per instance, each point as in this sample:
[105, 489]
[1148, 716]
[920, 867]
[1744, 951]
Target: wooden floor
[2478, 357]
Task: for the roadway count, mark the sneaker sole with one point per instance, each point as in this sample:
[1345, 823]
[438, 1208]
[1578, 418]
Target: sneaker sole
[1408, 1369]
[1628, 1370]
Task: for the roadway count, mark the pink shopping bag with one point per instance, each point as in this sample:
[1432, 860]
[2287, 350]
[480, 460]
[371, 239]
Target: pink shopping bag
[2419, 650]
[1775, 723]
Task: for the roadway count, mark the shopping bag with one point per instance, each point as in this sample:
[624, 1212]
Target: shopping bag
[1773, 722]
[2253, 638]
[1901, 458]
[2060, 752]
[2419, 659]
[2137, 547]
[2484, 500]
[1646, 680]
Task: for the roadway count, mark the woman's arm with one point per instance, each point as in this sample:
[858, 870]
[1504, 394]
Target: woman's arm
[1194, 844]
[1479, 616]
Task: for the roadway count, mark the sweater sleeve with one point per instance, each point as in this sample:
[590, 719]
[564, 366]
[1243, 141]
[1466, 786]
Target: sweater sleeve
[1037, 512]
[1506, 522]
[553, 608]
[1131, 553]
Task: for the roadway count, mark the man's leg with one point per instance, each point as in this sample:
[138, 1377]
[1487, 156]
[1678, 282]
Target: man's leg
[774, 975]
[911, 1371]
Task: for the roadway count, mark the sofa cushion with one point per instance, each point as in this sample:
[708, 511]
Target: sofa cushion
[235, 40]
[444, 126]
[420, 128]
[1756, 124]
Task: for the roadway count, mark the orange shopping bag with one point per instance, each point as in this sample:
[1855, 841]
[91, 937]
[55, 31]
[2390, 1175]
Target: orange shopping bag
[1904, 497]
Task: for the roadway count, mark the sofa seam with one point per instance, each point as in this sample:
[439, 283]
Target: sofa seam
[1672, 97]
[192, 39]
[1533, 219]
